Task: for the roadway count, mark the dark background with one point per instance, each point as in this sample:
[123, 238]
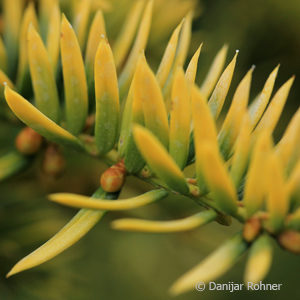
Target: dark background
[266, 33]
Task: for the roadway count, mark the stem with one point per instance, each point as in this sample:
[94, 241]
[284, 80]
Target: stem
[203, 200]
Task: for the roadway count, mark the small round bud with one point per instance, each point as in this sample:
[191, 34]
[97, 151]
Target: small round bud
[251, 229]
[194, 190]
[54, 163]
[113, 178]
[120, 166]
[28, 141]
[146, 173]
[90, 121]
[290, 240]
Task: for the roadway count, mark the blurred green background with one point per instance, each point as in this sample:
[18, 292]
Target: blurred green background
[266, 33]
[112, 265]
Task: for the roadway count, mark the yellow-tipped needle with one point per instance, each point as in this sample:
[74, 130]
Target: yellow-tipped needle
[185, 224]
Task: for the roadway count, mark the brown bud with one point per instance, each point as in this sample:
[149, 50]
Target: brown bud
[113, 178]
[290, 240]
[192, 180]
[90, 121]
[194, 190]
[28, 141]
[120, 166]
[54, 162]
[146, 173]
[251, 229]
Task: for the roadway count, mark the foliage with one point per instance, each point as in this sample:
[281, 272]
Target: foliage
[154, 126]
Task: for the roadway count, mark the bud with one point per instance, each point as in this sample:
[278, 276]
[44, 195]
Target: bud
[90, 121]
[28, 141]
[113, 178]
[290, 240]
[191, 180]
[146, 172]
[54, 162]
[251, 229]
[194, 190]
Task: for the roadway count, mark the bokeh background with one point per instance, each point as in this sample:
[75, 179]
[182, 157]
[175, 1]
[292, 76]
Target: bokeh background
[112, 265]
